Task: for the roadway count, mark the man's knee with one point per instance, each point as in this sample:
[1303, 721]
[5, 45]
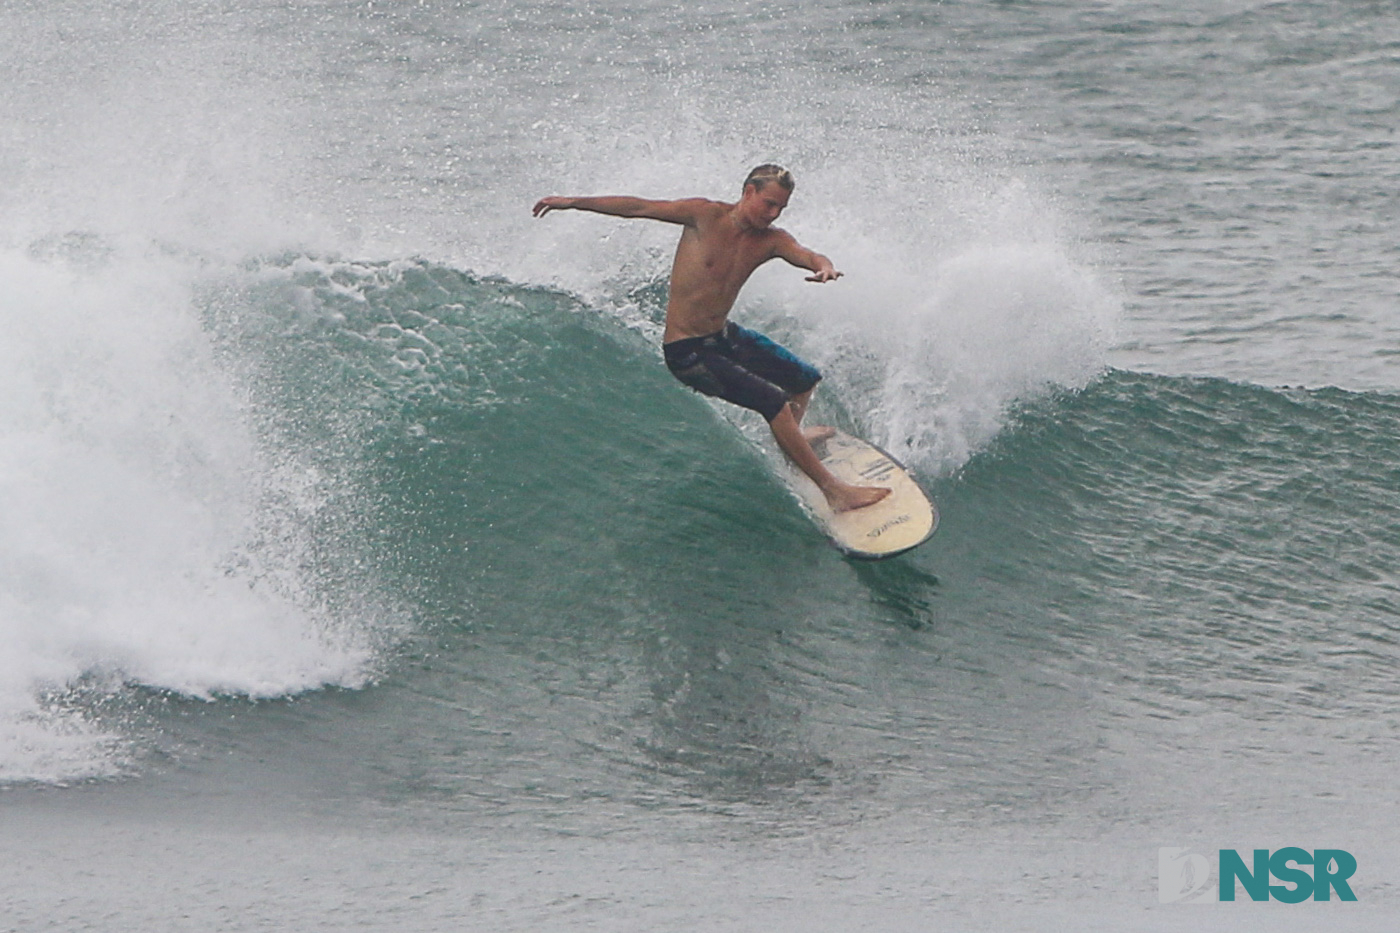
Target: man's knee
[773, 414]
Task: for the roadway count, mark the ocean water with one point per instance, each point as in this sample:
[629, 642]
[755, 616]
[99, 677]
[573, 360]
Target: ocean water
[361, 566]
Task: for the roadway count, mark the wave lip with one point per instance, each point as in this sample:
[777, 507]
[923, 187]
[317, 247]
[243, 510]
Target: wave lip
[142, 539]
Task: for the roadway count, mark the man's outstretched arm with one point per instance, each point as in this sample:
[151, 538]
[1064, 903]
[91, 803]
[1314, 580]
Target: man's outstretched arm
[798, 255]
[683, 211]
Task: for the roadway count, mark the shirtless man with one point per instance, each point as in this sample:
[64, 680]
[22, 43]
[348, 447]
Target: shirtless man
[721, 245]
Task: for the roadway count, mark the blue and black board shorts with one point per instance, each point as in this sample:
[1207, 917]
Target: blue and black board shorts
[742, 367]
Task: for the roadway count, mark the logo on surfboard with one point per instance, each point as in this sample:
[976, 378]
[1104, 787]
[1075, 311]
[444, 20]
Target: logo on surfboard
[876, 532]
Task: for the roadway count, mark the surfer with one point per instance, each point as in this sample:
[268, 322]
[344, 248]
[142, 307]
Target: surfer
[721, 246]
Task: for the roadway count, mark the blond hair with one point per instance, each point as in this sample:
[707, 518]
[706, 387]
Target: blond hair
[763, 174]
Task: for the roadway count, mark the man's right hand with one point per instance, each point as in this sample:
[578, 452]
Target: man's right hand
[545, 205]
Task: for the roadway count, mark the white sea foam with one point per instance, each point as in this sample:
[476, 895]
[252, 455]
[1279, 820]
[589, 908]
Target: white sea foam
[132, 519]
[149, 534]
[953, 307]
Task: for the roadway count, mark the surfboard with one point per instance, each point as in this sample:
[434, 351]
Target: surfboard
[901, 521]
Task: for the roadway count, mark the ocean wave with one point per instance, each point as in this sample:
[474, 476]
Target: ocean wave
[151, 536]
[222, 484]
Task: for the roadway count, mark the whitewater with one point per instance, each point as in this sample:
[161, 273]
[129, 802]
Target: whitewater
[361, 565]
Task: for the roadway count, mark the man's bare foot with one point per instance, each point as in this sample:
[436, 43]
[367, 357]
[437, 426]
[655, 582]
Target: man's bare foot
[818, 432]
[846, 498]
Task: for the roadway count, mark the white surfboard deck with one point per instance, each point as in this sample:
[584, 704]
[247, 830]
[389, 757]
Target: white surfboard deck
[902, 520]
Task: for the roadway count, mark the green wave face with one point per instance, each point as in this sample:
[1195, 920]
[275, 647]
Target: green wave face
[593, 558]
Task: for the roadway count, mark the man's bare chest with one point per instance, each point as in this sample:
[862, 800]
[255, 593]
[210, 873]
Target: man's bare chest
[727, 259]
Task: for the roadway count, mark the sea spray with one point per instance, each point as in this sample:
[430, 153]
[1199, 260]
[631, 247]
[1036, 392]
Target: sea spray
[136, 543]
[948, 315]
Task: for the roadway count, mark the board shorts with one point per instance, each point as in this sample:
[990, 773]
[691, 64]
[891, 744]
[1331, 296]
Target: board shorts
[742, 367]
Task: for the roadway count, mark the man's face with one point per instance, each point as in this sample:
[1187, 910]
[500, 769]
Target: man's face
[763, 205]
